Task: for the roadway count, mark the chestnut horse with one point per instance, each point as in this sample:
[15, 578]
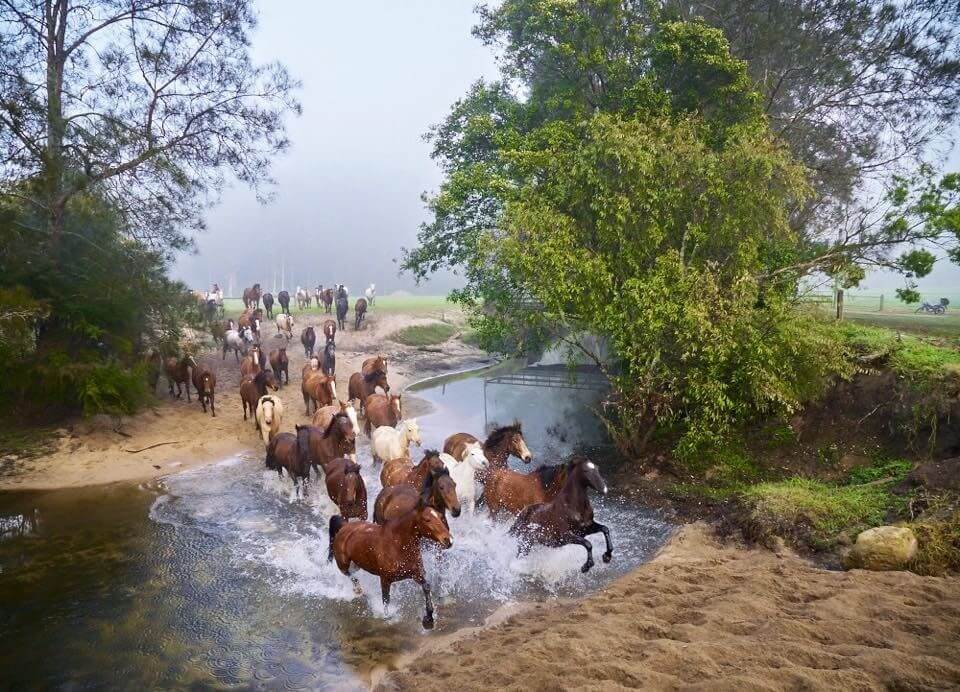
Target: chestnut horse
[373, 364]
[251, 296]
[402, 471]
[284, 299]
[205, 382]
[318, 389]
[391, 551]
[310, 367]
[335, 441]
[361, 386]
[327, 297]
[438, 489]
[380, 409]
[280, 364]
[252, 388]
[360, 310]
[178, 371]
[291, 452]
[567, 518]
[330, 330]
[346, 488]
[308, 338]
[506, 489]
[268, 304]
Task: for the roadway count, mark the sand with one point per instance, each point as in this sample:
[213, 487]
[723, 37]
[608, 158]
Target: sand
[96, 451]
[721, 617]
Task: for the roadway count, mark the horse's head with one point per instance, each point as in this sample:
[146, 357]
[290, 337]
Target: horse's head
[269, 379]
[266, 405]
[476, 459]
[353, 482]
[412, 429]
[443, 486]
[431, 525]
[395, 404]
[588, 474]
[509, 439]
[314, 363]
[342, 427]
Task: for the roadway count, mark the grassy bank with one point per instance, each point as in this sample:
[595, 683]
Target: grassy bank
[424, 334]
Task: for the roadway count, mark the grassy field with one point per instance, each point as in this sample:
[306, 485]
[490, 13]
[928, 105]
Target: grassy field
[420, 306]
[424, 334]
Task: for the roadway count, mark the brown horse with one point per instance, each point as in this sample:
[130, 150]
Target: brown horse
[439, 491]
[251, 296]
[318, 389]
[178, 371]
[511, 491]
[251, 319]
[323, 415]
[374, 364]
[327, 297]
[337, 440]
[205, 382]
[308, 338]
[360, 311]
[252, 388]
[310, 367]
[290, 452]
[361, 386]
[402, 471]
[391, 551]
[380, 410]
[253, 362]
[329, 330]
[346, 488]
[567, 518]
[498, 447]
[280, 364]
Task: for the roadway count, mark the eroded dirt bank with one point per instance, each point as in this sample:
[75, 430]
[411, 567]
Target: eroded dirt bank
[710, 616]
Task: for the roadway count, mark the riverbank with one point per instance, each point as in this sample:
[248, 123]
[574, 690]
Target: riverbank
[173, 436]
[716, 616]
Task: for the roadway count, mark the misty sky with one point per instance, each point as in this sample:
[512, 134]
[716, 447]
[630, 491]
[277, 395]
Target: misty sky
[376, 74]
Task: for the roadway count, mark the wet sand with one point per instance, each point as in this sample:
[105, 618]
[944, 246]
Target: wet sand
[721, 617]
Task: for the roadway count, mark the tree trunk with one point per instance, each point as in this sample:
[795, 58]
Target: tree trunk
[56, 24]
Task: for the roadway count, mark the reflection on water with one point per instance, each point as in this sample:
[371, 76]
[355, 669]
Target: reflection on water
[219, 577]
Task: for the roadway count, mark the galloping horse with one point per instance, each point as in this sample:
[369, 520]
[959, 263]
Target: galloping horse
[327, 297]
[402, 471]
[391, 551]
[381, 409]
[237, 341]
[280, 364]
[269, 417]
[394, 443]
[178, 371]
[506, 489]
[323, 415]
[330, 330]
[291, 452]
[318, 294]
[464, 473]
[567, 518]
[499, 445]
[371, 293]
[335, 441]
[205, 382]
[329, 366]
[308, 338]
[284, 324]
[362, 386]
[251, 389]
[253, 362]
[343, 305]
[284, 299]
[438, 489]
[318, 389]
[374, 363]
[268, 304]
[251, 296]
[303, 298]
[360, 310]
[346, 488]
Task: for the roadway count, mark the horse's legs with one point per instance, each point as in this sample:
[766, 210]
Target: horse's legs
[186, 386]
[427, 601]
[170, 386]
[600, 528]
[579, 540]
[306, 404]
[385, 591]
[212, 409]
[244, 402]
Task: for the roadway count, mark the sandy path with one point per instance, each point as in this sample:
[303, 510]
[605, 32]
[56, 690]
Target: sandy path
[92, 452]
[706, 616]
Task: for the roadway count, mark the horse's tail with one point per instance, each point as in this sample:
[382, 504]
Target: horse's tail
[271, 459]
[336, 523]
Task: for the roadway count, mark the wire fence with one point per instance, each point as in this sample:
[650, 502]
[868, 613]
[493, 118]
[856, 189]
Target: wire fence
[880, 302]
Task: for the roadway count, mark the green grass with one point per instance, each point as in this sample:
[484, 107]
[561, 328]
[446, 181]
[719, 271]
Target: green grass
[435, 306]
[944, 326]
[424, 334]
[910, 355]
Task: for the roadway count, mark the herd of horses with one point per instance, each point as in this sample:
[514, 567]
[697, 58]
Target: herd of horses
[550, 506]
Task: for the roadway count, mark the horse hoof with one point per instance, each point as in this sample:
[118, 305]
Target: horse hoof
[586, 566]
[427, 622]
[608, 556]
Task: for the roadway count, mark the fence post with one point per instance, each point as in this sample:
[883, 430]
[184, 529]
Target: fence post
[839, 304]
[881, 302]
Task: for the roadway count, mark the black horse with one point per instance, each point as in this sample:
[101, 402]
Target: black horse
[268, 304]
[329, 364]
[343, 305]
[284, 299]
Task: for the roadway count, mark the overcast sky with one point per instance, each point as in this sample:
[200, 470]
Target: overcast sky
[376, 74]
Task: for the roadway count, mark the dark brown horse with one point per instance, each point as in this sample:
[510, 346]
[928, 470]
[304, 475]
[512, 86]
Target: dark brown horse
[343, 305]
[567, 518]
[318, 389]
[280, 364]
[511, 491]
[361, 386]
[360, 311]
[346, 488]
[327, 297]
[402, 471]
[329, 360]
[308, 338]
[391, 551]
[439, 491]
[291, 452]
[178, 371]
[284, 299]
[374, 364]
[205, 382]
[381, 409]
[251, 296]
[268, 304]
[252, 388]
[337, 440]
[329, 330]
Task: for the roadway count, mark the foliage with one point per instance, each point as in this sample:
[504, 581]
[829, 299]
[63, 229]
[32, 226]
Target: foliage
[938, 544]
[887, 470]
[909, 356]
[424, 334]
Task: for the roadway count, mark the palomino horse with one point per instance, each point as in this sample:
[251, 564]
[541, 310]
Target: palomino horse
[329, 330]
[252, 388]
[346, 488]
[567, 518]
[360, 311]
[285, 325]
[251, 296]
[291, 452]
[308, 338]
[284, 299]
[269, 417]
[394, 443]
[381, 409]
[323, 415]
[280, 364]
[371, 293]
[402, 471]
[327, 297]
[205, 382]
[318, 389]
[464, 473]
[329, 362]
[178, 371]
[303, 298]
[362, 386]
[391, 551]
[268, 304]
[343, 305]
[335, 441]
[439, 491]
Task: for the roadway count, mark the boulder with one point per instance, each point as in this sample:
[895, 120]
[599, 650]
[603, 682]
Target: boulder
[882, 548]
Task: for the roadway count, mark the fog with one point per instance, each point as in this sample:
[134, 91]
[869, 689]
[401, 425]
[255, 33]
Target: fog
[375, 76]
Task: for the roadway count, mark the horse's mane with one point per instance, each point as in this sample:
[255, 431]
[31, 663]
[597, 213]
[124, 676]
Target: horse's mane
[376, 374]
[498, 434]
[548, 474]
[338, 414]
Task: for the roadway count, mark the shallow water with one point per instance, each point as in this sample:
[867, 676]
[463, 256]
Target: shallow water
[218, 576]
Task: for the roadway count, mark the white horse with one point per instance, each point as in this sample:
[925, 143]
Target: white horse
[371, 293]
[236, 341]
[269, 416]
[285, 325]
[464, 474]
[389, 443]
[303, 298]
